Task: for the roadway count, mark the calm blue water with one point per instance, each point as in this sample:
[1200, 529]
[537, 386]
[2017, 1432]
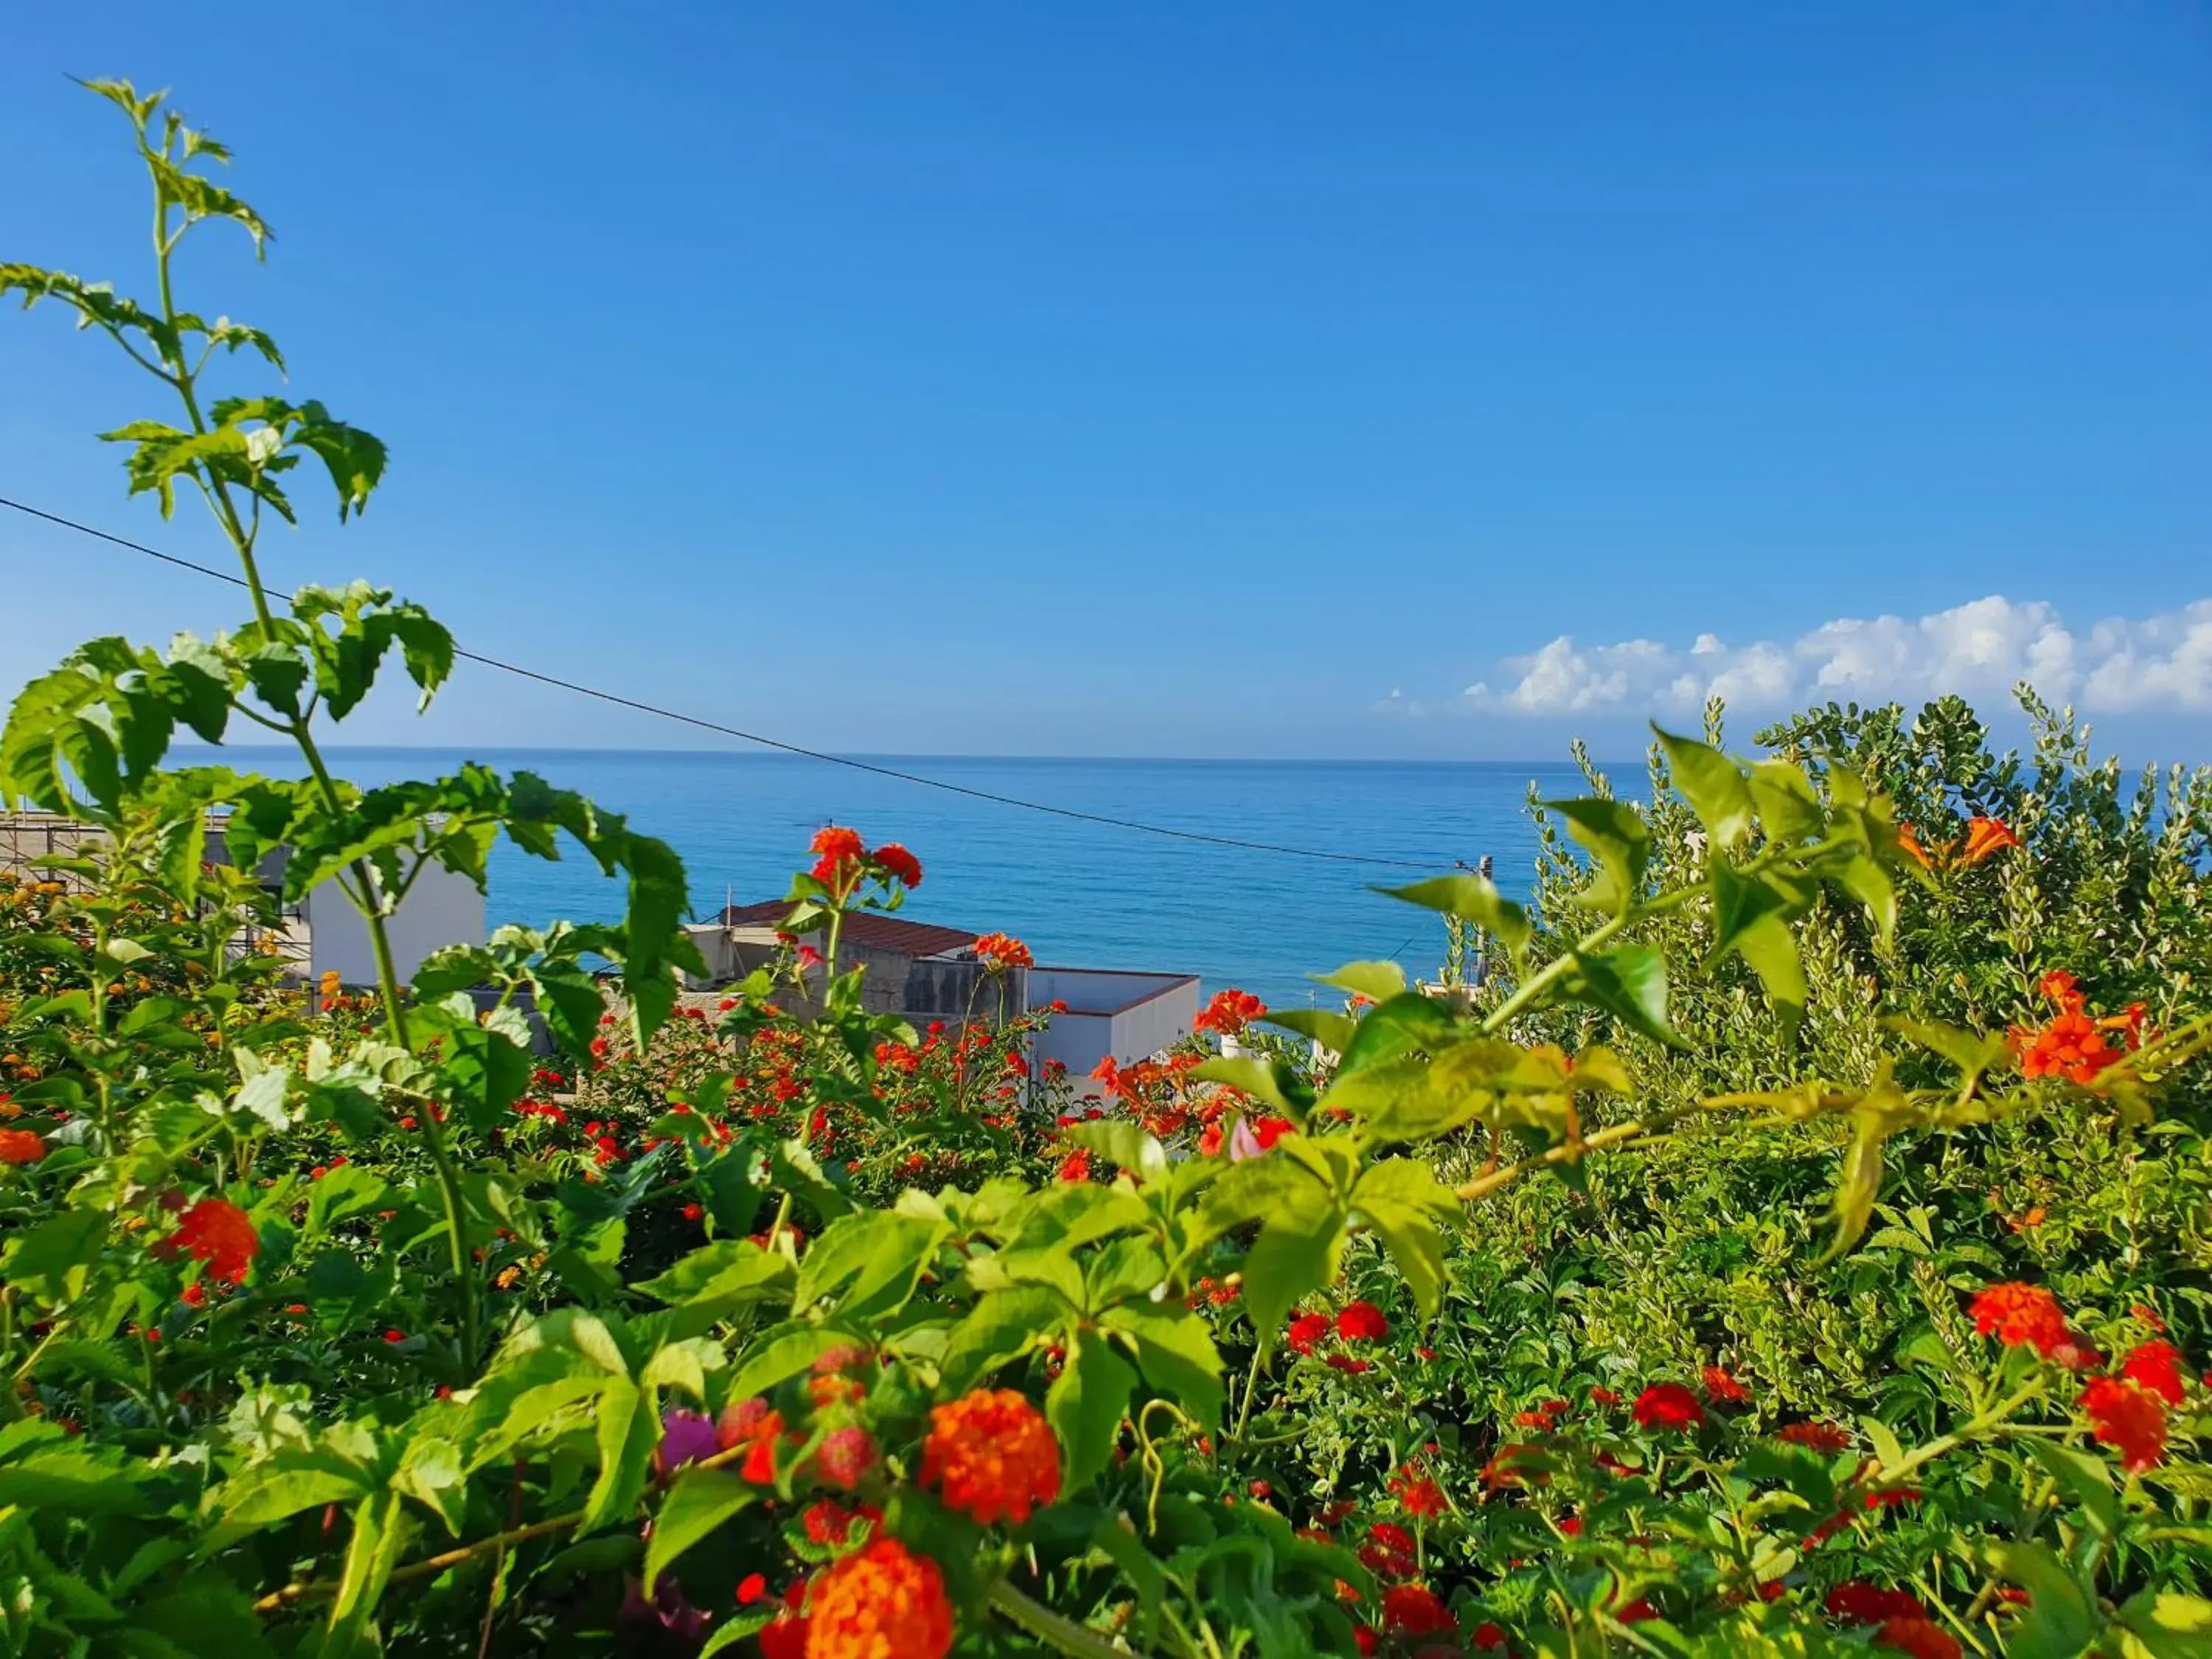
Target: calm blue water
[1082, 894]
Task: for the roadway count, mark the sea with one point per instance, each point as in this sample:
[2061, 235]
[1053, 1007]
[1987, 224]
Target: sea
[1079, 893]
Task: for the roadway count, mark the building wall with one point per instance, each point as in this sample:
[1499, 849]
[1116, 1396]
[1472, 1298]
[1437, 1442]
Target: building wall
[441, 909]
[1131, 1016]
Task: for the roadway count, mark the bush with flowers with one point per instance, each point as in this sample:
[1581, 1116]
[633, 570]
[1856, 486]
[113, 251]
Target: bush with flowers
[1787, 1234]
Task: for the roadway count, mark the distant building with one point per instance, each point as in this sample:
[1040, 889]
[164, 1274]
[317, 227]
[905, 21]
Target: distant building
[321, 933]
[922, 971]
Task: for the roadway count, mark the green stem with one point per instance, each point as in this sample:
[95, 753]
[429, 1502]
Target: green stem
[1051, 1628]
[370, 900]
[1244, 1411]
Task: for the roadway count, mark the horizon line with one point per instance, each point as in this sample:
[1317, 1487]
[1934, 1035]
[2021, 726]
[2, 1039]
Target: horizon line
[835, 755]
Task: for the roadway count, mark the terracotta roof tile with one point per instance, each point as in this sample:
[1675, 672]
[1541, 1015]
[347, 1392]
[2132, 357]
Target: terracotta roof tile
[881, 933]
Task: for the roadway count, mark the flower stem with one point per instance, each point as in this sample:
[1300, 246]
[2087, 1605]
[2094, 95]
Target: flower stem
[1051, 1628]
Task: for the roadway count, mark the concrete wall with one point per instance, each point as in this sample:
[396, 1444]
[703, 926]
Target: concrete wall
[441, 908]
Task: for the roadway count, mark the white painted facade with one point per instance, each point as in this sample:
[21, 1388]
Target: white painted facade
[1130, 1016]
[441, 909]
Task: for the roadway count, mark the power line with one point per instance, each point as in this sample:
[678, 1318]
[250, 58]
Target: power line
[847, 760]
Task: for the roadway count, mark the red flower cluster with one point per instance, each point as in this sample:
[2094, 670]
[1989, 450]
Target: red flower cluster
[1422, 1498]
[21, 1146]
[1389, 1552]
[899, 864]
[1229, 1012]
[1860, 1603]
[1667, 1406]
[2155, 1367]
[991, 1455]
[2073, 1045]
[1362, 1322]
[841, 859]
[1815, 1437]
[2127, 1417]
[2020, 1314]
[216, 1231]
[840, 851]
[999, 951]
[1414, 1610]
[1306, 1333]
[1722, 1389]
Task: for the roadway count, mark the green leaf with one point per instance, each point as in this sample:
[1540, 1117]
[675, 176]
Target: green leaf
[1332, 1030]
[2165, 1625]
[1378, 982]
[1859, 1182]
[723, 1277]
[1788, 805]
[1973, 1053]
[1263, 1080]
[1771, 950]
[1124, 1144]
[266, 1493]
[1402, 1200]
[54, 1257]
[1175, 1350]
[629, 1433]
[1619, 842]
[2087, 1480]
[1085, 1406]
[1398, 1026]
[72, 1481]
[1476, 899]
[1073, 1214]
[1125, 1269]
[381, 1532]
[1629, 982]
[781, 1356]
[1296, 1255]
[699, 1502]
[1003, 1325]
[1417, 1099]
[2058, 1620]
[882, 1252]
[1713, 785]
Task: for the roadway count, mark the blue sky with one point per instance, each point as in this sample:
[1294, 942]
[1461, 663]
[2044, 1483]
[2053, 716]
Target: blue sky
[1155, 379]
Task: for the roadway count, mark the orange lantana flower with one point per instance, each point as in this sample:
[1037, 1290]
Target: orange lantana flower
[882, 1601]
[21, 1146]
[991, 1457]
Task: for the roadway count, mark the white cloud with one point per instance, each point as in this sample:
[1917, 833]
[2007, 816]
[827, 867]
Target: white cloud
[1979, 649]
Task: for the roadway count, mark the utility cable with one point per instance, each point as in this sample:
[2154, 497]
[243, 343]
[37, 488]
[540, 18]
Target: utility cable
[846, 761]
